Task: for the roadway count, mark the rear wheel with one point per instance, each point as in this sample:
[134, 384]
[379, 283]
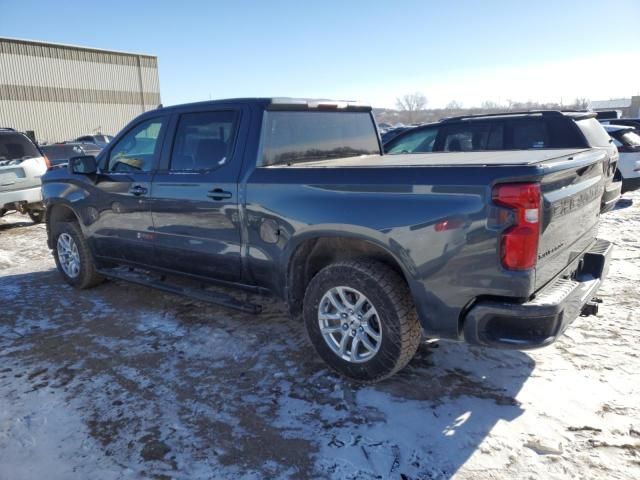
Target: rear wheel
[361, 319]
[73, 257]
[36, 216]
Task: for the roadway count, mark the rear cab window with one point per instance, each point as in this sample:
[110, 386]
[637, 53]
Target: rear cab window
[290, 137]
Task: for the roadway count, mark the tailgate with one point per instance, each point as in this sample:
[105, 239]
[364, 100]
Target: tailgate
[10, 177]
[19, 175]
[571, 193]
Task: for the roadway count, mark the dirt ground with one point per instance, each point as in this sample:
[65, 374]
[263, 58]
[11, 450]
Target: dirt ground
[126, 382]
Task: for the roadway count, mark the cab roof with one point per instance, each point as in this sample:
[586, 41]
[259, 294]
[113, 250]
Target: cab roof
[281, 103]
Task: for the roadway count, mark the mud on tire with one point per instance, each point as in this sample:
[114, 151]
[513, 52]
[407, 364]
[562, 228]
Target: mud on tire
[397, 326]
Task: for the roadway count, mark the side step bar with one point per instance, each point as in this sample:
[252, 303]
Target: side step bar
[160, 283]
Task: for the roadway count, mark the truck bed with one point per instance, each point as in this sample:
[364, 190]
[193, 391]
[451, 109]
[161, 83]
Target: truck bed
[502, 157]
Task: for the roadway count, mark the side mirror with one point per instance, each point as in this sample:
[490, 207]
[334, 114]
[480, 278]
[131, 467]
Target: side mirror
[85, 165]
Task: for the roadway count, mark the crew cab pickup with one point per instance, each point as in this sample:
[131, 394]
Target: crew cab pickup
[294, 197]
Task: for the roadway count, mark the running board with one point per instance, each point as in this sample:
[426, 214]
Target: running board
[160, 283]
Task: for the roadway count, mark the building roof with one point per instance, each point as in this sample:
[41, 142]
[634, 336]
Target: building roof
[76, 47]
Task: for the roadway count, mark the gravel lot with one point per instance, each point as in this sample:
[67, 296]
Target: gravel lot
[125, 382]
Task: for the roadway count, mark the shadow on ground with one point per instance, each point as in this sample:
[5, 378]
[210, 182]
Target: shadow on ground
[623, 203]
[167, 386]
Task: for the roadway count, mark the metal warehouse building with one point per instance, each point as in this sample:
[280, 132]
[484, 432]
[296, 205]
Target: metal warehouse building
[62, 91]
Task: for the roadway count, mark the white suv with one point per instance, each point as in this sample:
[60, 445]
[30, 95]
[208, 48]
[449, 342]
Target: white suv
[628, 142]
[21, 167]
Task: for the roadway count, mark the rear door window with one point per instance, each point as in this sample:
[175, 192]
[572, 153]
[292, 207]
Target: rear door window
[418, 141]
[529, 134]
[471, 136]
[203, 141]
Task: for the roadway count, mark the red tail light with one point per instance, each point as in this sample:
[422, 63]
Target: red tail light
[46, 162]
[519, 246]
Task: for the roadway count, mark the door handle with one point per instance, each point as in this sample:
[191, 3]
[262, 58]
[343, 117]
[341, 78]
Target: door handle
[137, 190]
[219, 194]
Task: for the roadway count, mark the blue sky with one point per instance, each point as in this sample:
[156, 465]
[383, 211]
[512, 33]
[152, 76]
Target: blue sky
[461, 50]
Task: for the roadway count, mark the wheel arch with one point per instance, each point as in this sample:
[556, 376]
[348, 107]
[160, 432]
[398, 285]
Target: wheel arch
[313, 253]
[59, 212]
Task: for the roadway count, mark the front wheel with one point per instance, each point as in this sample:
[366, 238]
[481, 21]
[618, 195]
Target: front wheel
[73, 257]
[361, 319]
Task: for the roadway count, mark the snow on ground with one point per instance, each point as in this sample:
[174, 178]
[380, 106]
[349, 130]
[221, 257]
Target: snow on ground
[124, 382]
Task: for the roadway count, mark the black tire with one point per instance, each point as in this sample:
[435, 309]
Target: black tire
[36, 216]
[388, 293]
[87, 276]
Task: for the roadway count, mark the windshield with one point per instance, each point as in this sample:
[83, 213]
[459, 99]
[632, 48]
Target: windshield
[293, 136]
[15, 146]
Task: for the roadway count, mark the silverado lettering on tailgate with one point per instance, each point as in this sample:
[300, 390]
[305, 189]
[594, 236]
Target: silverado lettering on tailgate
[577, 201]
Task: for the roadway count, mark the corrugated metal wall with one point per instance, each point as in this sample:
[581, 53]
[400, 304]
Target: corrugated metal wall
[62, 92]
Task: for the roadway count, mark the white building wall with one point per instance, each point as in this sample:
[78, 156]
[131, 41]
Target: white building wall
[61, 92]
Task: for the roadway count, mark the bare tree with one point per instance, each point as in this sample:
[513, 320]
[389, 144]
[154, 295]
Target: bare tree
[411, 103]
[489, 105]
[453, 105]
[581, 103]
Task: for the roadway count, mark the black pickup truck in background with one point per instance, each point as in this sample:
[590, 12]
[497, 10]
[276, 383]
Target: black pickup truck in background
[294, 197]
[529, 130]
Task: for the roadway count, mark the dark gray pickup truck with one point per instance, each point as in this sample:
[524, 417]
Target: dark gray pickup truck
[294, 198]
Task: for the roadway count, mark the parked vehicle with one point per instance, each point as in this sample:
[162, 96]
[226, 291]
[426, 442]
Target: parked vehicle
[60, 153]
[99, 139]
[545, 129]
[607, 114]
[22, 165]
[629, 122]
[627, 140]
[294, 197]
[392, 133]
